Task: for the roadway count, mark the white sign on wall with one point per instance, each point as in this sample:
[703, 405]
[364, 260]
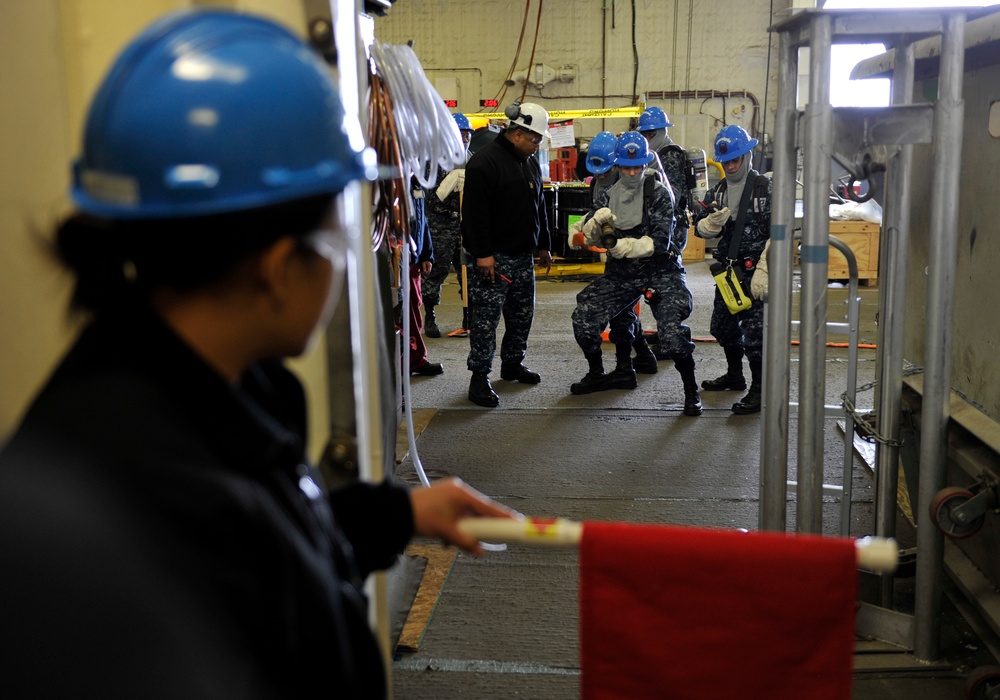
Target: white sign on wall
[561, 135]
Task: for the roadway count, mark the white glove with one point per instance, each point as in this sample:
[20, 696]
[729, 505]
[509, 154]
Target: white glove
[592, 231]
[633, 248]
[604, 216]
[758, 283]
[711, 225]
[576, 228]
[453, 181]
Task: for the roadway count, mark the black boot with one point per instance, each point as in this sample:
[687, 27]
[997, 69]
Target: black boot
[692, 401]
[481, 391]
[733, 378]
[519, 373]
[751, 402]
[624, 375]
[644, 360]
[431, 329]
[595, 379]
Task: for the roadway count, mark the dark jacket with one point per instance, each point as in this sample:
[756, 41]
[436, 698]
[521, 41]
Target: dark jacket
[164, 536]
[420, 232]
[503, 207]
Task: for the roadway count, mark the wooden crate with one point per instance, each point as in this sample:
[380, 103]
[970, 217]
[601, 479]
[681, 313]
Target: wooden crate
[694, 251]
[863, 239]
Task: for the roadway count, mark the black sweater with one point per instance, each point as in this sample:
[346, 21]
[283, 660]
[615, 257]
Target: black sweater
[503, 207]
[165, 537]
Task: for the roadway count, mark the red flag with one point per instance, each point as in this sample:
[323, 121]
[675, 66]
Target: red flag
[692, 613]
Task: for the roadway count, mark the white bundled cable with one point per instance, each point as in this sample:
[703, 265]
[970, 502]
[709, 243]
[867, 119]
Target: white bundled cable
[426, 131]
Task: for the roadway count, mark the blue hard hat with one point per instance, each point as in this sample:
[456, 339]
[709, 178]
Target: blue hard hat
[209, 112]
[463, 122]
[601, 153]
[633, 149]
[732, 142]
[653, 118]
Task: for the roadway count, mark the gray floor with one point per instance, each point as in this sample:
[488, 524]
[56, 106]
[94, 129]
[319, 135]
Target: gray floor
[506, 625]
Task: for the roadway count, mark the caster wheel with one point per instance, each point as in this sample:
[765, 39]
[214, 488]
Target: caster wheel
[945, 501]
[983, 684]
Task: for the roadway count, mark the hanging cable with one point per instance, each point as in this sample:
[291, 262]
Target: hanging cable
[531, 61]
[635, 61]
[427, 135]
[411, 130]
[411, 438]
[502, 92]
[767, 82]
[390, 218]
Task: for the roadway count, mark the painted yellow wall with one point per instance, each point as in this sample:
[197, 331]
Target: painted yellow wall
[53, 54]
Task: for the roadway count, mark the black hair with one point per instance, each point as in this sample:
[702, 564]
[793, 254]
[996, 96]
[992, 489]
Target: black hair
[119, 262]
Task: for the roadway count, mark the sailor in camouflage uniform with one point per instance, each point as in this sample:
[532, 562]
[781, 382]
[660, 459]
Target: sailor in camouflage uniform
[443, 216]
[503, 220]
[642, 262]
[671, 160]
[742, 333]
[626, 328]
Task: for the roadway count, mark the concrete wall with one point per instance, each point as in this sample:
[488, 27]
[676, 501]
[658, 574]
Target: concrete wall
[53, 54]
[976, 322]
[681, 45]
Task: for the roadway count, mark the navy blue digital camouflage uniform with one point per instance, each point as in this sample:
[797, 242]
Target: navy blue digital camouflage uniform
[674, 161]
[744, 330]
[443, 217]
[504, 216]
[626, 279]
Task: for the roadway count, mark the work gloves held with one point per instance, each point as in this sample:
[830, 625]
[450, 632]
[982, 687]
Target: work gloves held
[758, 283]
[711, 225]
[452, 182]
[632, 248]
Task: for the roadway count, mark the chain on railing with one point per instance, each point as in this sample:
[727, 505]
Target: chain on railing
[862, 422]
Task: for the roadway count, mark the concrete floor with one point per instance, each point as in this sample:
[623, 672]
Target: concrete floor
[506, 625]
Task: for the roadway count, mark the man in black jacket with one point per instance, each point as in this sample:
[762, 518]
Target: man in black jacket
[503, 222]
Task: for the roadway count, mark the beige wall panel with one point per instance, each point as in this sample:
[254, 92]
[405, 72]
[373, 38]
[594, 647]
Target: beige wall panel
[976, 325]
[34, 150]
[681, 45]
[54, 54]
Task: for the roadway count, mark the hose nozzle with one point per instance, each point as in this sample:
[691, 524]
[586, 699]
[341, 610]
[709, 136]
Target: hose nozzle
[609, 239]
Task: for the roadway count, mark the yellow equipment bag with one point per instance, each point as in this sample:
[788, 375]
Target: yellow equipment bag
[733, 287]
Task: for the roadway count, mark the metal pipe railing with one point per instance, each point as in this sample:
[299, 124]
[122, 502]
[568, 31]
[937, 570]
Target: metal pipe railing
[814, 261]
[853, 321]
[892, 295]
[947, 146]
[778, 310]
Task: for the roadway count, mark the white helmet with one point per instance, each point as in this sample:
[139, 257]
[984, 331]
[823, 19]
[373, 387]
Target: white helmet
[528, 116]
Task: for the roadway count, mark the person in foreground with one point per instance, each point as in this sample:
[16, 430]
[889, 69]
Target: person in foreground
[164, 534]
